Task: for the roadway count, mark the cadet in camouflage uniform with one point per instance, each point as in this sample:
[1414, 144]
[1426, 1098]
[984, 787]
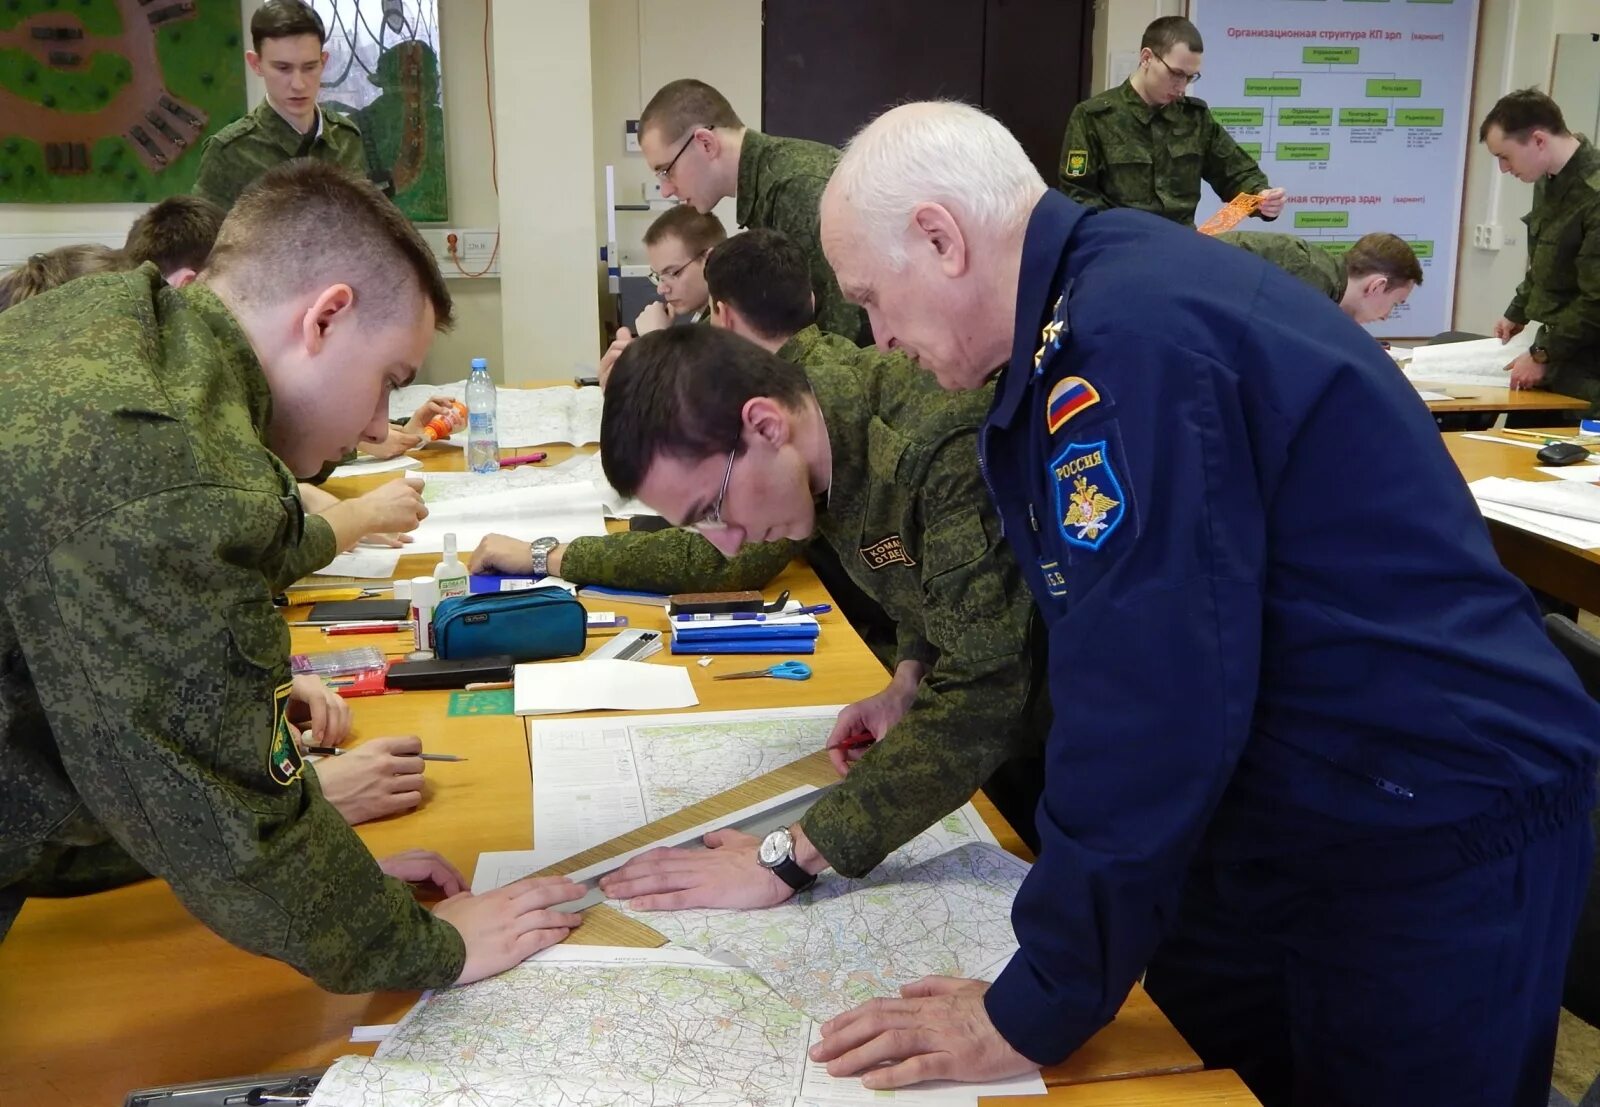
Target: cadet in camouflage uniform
[903, 502]
[1368, 281]
[144, 674]
[289, 123]
[1146, 145]
[1527, 134]
[702, 154]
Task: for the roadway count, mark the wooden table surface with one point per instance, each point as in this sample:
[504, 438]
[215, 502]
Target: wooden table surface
[104, 993]
[1564, 571]
[1475, 397]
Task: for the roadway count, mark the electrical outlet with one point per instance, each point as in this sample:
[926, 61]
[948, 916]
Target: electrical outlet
[630, 136]
[1487, 236]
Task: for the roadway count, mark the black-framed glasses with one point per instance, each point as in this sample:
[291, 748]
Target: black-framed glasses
[673, 272]
[1186, 77]
[664, 173]
[712, 520]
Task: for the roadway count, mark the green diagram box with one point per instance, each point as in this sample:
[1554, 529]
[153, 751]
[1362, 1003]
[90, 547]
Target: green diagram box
[1321, 219]
[1422, 249]
[1275, 86]
[1239, 117]
[1363, 117]
[1331, 55]
[1251, 148]
[1306, 117]
[1388, 86]
[1335, 246]
[1303, 151]
[1419, 117]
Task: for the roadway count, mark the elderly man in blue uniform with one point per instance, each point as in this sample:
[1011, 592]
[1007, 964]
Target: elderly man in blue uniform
[1314, 765]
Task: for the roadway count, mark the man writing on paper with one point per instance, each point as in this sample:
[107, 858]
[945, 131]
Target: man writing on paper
[1315, 768]
[144, 674]
[1146, 144]
[1561, 289]
[717, 433]
[702, 153]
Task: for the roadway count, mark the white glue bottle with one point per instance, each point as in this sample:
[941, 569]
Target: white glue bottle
[450, 575]
[422, 597]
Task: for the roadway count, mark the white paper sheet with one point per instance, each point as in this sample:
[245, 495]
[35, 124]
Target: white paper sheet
[553, 688]
[1569, 499]
[366, 467]
[1481, 361]
[454, 507]
[523, 416]
[1506, 441]
[1432, 397]
[497, 868]
[374, 562]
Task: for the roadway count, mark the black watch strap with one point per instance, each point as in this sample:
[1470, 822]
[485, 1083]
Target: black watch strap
[790, 872]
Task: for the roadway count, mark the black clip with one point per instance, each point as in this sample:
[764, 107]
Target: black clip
[777, 605]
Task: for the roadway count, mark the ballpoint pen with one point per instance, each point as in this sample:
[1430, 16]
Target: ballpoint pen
[337, 751]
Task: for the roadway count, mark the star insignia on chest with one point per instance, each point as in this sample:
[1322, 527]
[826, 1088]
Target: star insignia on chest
[1050, 335]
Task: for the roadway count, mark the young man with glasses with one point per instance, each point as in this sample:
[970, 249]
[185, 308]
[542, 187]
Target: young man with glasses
[1147, 144]
[762, 438]
[677, 244]
[702, 153]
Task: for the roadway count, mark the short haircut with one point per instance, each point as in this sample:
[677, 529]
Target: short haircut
[307, 224]
[765, 277]
[1169, 31]
[683, 105]
[698, 231]
[1386, 255]
[43, 272]
[680, 393]
[177, 233]
[285, 19]
[1518, 114]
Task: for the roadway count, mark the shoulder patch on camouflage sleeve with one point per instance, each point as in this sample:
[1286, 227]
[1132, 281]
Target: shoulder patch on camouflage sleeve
[1077, 163]
[284, 763]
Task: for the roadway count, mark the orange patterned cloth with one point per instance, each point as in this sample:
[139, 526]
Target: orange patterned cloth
[1233, 214]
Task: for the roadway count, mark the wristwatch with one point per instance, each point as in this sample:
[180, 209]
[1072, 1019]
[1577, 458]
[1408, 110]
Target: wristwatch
[540, 548]
[777, 854]
[1539, 354]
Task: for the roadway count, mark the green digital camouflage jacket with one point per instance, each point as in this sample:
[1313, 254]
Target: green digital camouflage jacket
[143, 670]
[780, 187]
[1293, 254]
[249, 146]
[1120, 152]
[912, 522]
[1561, 288]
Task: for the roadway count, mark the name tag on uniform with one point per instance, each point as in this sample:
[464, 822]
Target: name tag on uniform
[886, 552]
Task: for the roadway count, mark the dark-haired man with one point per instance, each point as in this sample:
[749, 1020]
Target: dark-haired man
[1561, 289]
[177, 234]
[144, 674]
[1147, 144]
[288, 38]
[1368, 281]
[703, 153]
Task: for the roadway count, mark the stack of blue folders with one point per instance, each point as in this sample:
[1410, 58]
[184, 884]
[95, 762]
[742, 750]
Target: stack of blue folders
[745, 633]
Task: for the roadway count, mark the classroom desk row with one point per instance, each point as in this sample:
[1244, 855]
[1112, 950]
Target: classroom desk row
[1489, 399]
[105, 993]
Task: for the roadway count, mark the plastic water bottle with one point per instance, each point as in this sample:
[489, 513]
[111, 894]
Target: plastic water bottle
[483, 441]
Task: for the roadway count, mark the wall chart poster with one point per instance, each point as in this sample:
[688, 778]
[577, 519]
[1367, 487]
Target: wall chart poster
[109, 100]
[1359, 109]
[383, 72]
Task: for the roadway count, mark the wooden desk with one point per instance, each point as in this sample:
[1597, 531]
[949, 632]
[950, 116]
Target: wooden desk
[1200, 1089]
[101, 994]
[1487, 398]
[1564, 571]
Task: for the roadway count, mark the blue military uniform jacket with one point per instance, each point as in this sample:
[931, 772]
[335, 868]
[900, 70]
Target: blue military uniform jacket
[1278, 633]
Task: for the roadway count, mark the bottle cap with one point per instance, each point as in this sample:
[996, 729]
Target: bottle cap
[402, 589]
[480, 363]
[424, 593]
[1589, 426]
[450, 547]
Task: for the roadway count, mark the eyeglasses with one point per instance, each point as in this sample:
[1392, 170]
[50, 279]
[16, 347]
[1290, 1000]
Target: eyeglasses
[712, 520]
[673, 272]
[1186, 78]
[664, 173]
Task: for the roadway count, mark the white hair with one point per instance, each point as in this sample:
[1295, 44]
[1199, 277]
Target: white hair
[935, 151]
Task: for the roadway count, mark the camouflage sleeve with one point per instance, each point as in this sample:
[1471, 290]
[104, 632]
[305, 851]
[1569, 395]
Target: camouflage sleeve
[969, 709]
[1517, 309]
[164, 672]
[315, 549]
[1572, 334]
[1227, 168]
[911, 646]
[213, 181]
[796, 211]
[675, 560]
[1083, 163]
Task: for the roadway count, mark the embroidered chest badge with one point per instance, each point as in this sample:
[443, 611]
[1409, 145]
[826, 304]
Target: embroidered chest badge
[1077, 163]
[885, 552]
[1090, 503]
[1069, 397]
[1050, 335]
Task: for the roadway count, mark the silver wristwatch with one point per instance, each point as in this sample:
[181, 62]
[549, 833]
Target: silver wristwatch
[540, 549]
[777, 854]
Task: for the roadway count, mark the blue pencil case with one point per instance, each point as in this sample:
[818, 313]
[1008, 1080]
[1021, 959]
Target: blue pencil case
[530, 625]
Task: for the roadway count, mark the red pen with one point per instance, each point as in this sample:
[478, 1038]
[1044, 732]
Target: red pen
[370, 628]
[858, 740]
[522, 459]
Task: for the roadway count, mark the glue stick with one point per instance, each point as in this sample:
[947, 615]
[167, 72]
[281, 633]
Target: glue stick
[423, 595]
[441, 425]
